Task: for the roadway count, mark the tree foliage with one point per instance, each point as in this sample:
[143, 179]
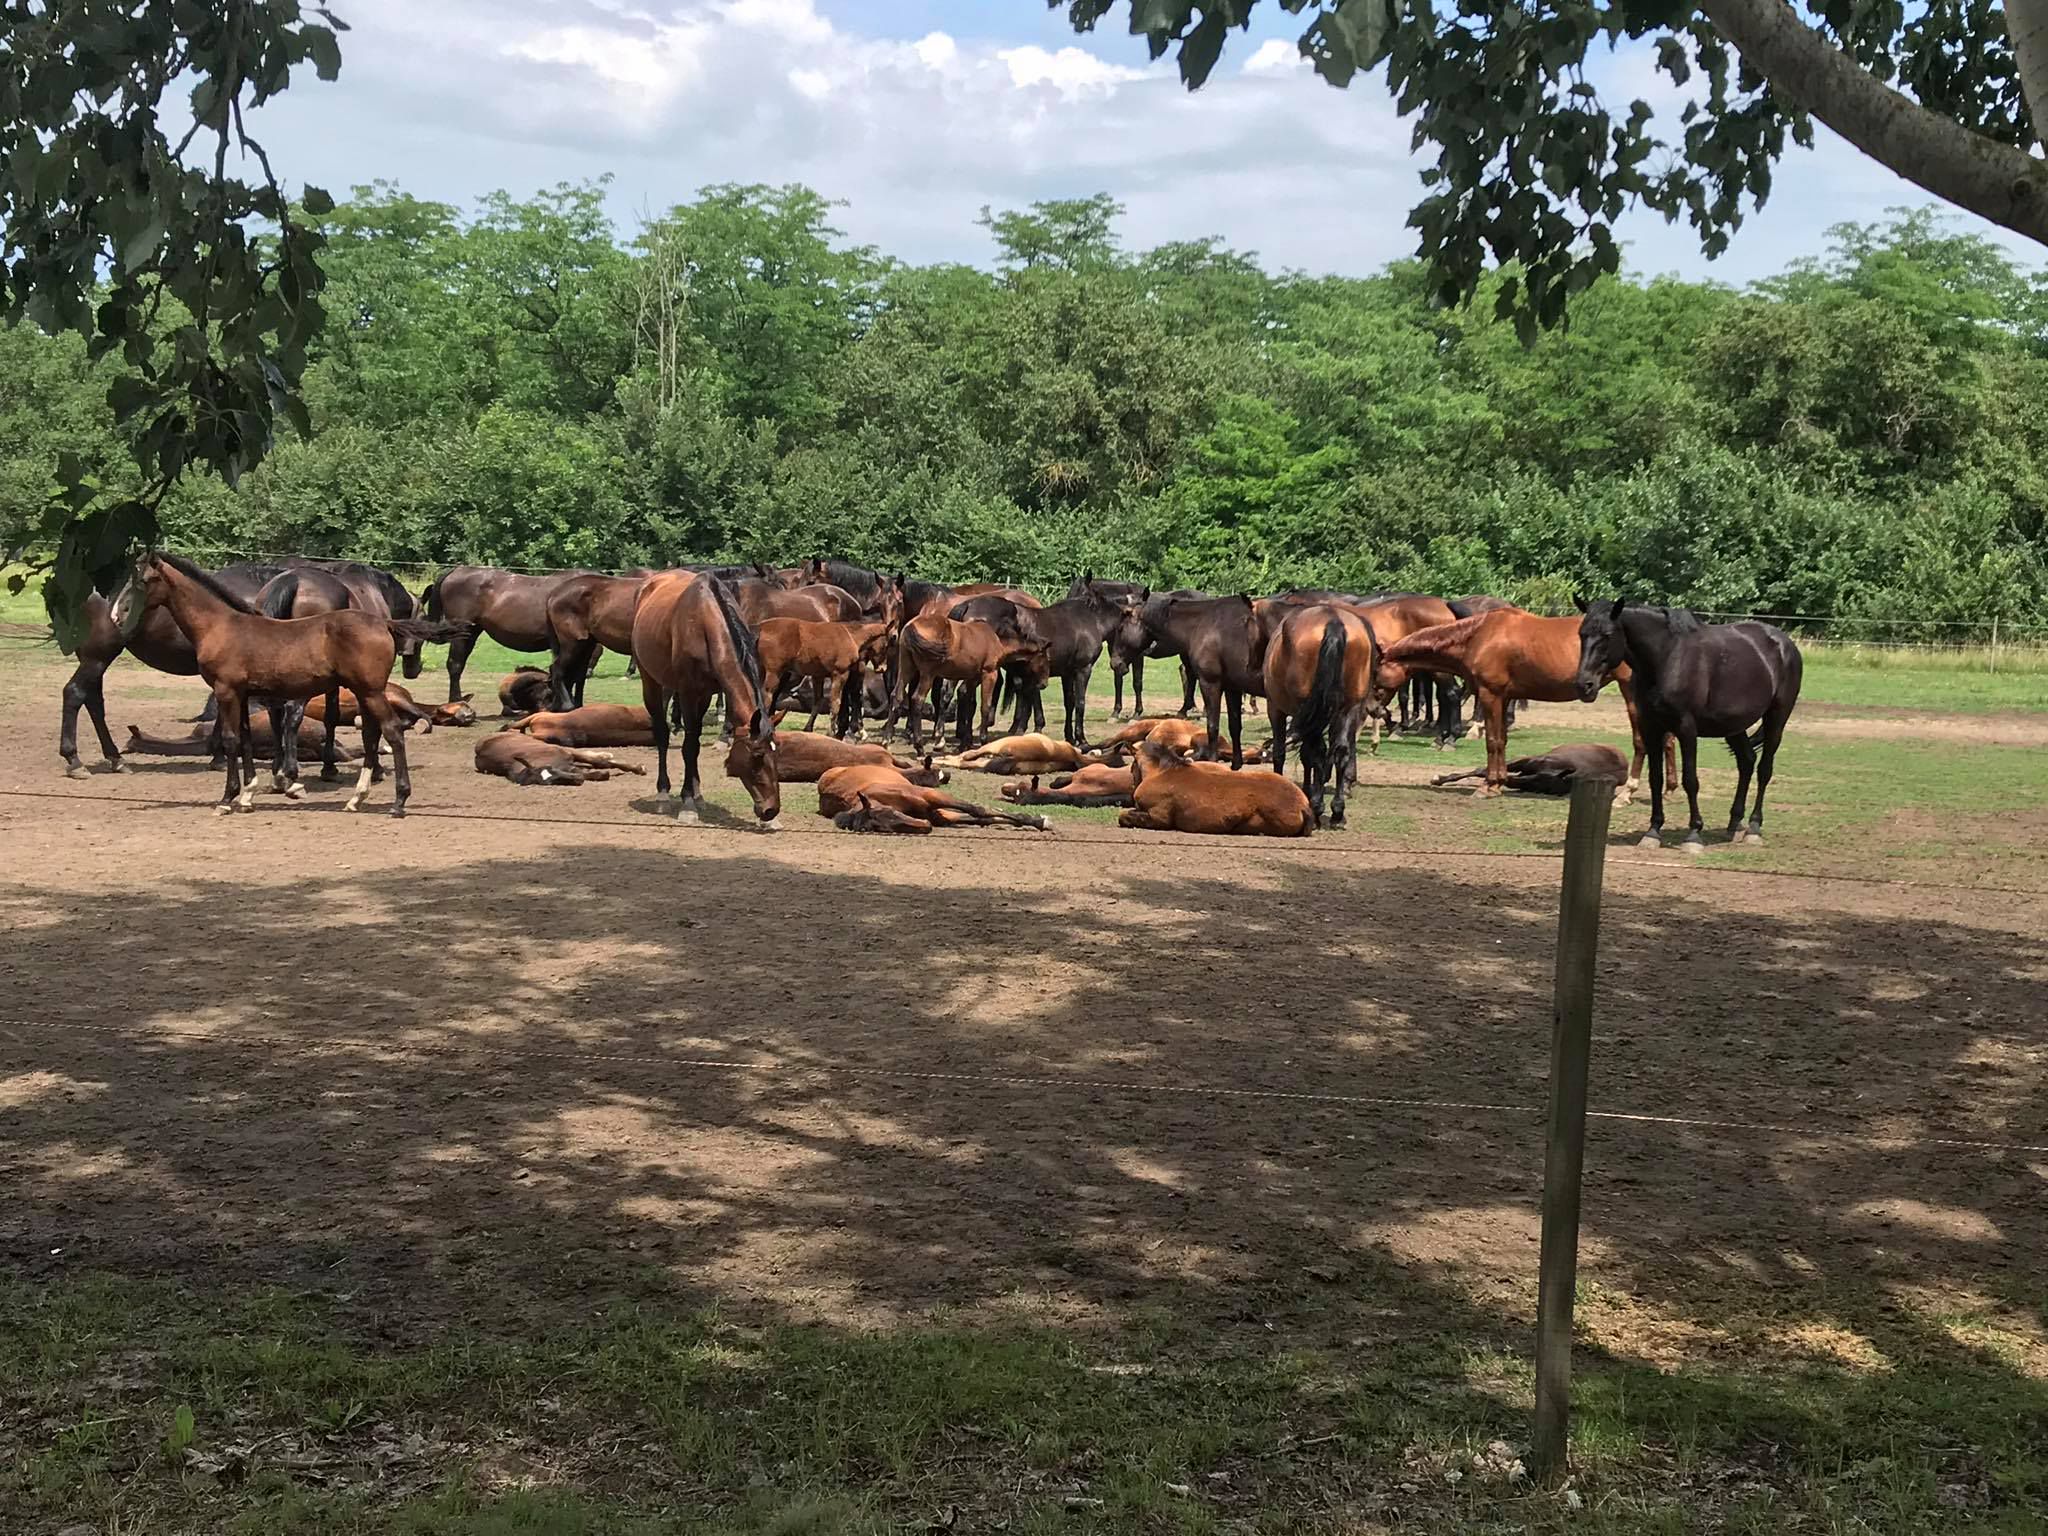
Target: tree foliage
[205, 285]
[1863, 434]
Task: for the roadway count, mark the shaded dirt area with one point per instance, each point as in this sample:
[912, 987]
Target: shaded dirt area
[499, 1064]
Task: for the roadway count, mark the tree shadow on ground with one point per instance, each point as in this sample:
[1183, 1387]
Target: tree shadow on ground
[516, 1088]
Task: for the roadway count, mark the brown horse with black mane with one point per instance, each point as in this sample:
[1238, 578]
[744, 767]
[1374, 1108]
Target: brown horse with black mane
[240, 653]
[1318, 678]
[692, 643]
[586, 614]
[509, 607]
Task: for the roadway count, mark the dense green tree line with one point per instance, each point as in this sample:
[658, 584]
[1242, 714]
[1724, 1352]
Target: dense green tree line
[1865, 434]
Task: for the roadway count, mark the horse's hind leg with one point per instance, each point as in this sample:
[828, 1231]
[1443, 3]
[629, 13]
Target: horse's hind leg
[330, 768]
[284, 754]
[85, 690]
[381, 719]
[365, 776]
[1745, 764]
[690, 811]
[1773, 733]
[458, 658]
[657, 714]
[1654, 738]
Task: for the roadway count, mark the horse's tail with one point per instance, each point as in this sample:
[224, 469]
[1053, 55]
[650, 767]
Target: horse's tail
[1316, 723]
[279, 597]
[430, 599]
[425, 631]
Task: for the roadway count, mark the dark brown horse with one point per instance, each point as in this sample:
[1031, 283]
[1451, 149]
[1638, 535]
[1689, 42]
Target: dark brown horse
[243, 653]
[1694, 679]
[1223, 640]
[377, 592]
[863, 583]
[524, 692]
[693, 644]
[304, 593]
[584, 615]
[511, 608]
[1318, 679]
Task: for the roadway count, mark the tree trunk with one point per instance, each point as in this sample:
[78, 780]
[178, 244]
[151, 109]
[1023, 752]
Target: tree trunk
[1997, 181]
[2026, 23]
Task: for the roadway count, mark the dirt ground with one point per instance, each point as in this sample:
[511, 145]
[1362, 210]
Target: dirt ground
[527, 1051]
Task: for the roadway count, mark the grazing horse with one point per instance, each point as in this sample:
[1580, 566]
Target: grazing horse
[831, 654]
[692, 643]
[1223, 640]
[586, 614]
[933, 649]
[1012, 621]
[242, 653]
[512, 609]
[1318, 677]
[154, 640]
[523, 692]
[589, 725]
[1693, 679]
[524, 760]
[842, 789]
[1554, 772]
[1096, 784]
[1172, 794]
[1511, 654]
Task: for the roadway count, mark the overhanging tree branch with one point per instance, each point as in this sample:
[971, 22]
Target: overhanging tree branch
[2000, 182]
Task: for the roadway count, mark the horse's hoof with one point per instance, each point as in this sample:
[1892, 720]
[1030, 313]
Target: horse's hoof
[688, 818]
[224, 810]
[398, 811]
[116, 765]
[246, 806]
[295, 791]
[77, 771]
[329, 774]
[1755, 838]
[1695, 844]
[1651, 840]
[355, 804]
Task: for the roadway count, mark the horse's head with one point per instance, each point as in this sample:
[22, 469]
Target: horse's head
[143, 590]
[874, 646]
[1603, 645]
[752, 762]
[1037, 659]
[457, 712]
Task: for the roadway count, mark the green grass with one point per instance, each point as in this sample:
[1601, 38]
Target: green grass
[648, 1419]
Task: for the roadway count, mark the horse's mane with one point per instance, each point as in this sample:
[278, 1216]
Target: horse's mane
[744, 643]
[205, 579]
[1683, 621]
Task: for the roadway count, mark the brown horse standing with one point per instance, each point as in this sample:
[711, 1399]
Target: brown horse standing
[1318, 677]
[829, 653]
[692, 643]
[935, 649]
[512, 609]
[242, 653]
[585, 614]
[1512, 654]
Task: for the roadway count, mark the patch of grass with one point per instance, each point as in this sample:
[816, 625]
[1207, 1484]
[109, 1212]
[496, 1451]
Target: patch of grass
[1884, 679]
[648, 1420]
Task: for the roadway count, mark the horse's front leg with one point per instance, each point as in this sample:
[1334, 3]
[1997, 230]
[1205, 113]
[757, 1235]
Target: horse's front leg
[1212, 714]
[1653, 743]
[1494, 709]
[1689, 751]
[230, 718]
[1236, 729]
[330, 766]
[690, 811]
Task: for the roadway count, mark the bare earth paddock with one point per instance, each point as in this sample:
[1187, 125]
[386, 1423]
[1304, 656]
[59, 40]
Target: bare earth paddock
[529, 1057]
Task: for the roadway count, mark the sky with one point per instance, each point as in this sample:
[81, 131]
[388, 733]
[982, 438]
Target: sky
[916, 113]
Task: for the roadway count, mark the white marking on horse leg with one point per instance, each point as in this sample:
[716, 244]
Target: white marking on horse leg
[355, 801]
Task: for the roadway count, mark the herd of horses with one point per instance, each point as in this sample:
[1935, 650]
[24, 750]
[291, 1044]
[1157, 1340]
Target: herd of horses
[296, 638]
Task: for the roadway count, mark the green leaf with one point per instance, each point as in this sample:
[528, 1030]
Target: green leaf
[324, 49]
[1200, 49]
[183, 1430]
[137, 249]
[316, 202]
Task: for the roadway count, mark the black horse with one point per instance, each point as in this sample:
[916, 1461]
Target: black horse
[1223, 641]
[1693, 678]
[1075, 628]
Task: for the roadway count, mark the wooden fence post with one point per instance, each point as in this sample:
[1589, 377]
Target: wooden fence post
[1578, 934]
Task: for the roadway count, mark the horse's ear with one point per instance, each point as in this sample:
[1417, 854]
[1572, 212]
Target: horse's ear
[1087, 578]
[1619, 604]
[1578, 602]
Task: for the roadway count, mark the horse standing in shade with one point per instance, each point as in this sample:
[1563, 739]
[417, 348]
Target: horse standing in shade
[241, 653]
[693, 644]
[1693, 679]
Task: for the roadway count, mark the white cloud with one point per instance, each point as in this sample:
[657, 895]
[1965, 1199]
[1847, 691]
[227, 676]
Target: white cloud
[1275, 56]
[459, 97]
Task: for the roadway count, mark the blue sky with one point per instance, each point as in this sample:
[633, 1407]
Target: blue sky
[918, 112]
